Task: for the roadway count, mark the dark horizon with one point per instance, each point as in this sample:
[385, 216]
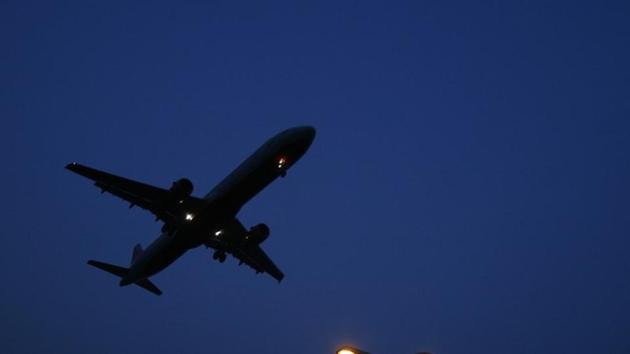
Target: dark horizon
[467, 191]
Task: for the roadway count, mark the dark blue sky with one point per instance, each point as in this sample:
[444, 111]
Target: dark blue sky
[467, 191]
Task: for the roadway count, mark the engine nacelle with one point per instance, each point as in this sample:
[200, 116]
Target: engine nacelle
[181, 189]
[257, 234]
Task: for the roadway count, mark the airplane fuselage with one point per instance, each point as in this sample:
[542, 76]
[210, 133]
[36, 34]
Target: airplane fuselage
[204, 225]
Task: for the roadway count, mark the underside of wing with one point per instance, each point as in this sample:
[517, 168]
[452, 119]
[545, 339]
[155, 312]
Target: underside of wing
[154, 199]
[257, 259]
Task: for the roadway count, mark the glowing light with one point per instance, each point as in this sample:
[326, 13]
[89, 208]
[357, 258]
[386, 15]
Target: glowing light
[189, 216]
[345, 351]
[281, 162]
[218, 233]
[350, 350]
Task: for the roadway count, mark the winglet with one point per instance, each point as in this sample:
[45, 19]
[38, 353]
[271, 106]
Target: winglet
[78, 168]
[71, 166]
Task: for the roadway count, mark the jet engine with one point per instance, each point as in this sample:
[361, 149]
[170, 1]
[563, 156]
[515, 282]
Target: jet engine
[181, 189]
[257, 234]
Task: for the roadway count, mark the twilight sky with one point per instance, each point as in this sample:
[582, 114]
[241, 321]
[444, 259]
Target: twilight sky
[467, 192]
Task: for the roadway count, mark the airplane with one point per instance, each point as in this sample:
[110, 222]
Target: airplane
[189, 221]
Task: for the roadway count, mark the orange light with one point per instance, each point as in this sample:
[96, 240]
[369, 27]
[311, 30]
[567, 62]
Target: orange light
[345, 351]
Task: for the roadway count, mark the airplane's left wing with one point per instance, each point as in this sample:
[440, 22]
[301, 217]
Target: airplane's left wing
[154, 199]
[256, 258]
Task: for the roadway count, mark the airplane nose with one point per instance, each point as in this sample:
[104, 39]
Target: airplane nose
[300, 137]
[308, 133]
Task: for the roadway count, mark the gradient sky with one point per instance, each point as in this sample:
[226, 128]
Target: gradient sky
[467, 191]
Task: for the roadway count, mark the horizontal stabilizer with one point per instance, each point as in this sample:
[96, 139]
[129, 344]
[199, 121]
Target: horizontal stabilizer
[110, 268]
[147, 285]
[122, 272]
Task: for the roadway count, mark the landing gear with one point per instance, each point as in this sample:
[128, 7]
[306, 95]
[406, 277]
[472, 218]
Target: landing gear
[220, 256]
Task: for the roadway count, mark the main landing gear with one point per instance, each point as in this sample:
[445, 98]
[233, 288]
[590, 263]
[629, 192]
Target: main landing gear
[219, 255]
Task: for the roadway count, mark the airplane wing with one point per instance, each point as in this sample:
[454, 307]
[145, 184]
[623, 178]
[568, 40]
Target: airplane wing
[232, 240]
[256, 258]
[154, 199]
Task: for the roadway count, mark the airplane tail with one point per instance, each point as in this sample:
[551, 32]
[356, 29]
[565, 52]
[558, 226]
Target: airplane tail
[122, 272]
[110, 268]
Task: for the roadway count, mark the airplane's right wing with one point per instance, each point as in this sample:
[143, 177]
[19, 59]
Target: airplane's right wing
[256, 258]
[154, 199]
